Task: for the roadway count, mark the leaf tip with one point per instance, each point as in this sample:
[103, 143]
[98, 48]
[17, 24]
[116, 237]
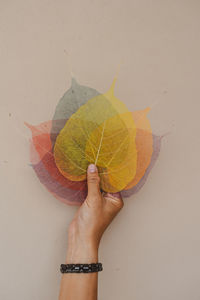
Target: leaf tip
[28, 125]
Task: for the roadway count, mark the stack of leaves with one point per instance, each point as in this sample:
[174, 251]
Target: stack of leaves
[89, 127]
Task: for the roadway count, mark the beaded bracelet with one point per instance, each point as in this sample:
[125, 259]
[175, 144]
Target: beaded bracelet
[81, 268]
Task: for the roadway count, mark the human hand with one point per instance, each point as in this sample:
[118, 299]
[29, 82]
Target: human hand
[91, 220]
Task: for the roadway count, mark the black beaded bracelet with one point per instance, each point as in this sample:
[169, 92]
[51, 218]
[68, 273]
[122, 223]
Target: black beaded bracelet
[81, 268]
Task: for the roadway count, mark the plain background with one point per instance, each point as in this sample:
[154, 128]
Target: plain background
[152, 249]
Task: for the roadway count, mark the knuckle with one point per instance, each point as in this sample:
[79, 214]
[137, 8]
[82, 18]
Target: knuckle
[93, 201]
[119, 204]
[116, 200]
[94, 179]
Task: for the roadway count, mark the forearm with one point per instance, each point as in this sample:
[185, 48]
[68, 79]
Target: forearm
[84, 235]
[80, 286]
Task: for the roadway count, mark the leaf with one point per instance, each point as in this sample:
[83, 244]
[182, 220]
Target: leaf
[156, 150]
[144, 144]
[102, 132]
[73, 98]
[110, 140]
[41, 155]
[63, 193]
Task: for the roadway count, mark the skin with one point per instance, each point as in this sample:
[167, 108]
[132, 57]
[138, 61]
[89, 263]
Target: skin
[84, 236]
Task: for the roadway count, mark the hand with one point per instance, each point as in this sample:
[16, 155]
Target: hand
[91, 220]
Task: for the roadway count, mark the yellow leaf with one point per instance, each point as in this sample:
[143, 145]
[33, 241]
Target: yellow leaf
[144, 144]
[101, 132]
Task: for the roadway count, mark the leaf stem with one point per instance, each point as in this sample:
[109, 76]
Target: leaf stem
[100, 143]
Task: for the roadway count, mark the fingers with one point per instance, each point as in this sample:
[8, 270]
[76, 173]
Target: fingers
[115, 199]
[93, 181]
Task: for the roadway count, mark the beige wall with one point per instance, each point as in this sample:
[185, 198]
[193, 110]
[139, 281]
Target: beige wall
[152, 249]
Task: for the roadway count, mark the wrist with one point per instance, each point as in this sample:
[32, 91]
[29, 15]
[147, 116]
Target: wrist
[81, 250]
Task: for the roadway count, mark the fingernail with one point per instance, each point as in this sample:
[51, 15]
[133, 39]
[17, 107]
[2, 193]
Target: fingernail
[92, 168]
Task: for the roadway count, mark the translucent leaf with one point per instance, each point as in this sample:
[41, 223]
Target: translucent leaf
[41, 155]
[73, 98]
[99, 140]
[144, 144]
[102, 132]
[64, 193]
[156, 151]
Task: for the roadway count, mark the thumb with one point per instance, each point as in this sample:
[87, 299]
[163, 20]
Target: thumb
[93, 181]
